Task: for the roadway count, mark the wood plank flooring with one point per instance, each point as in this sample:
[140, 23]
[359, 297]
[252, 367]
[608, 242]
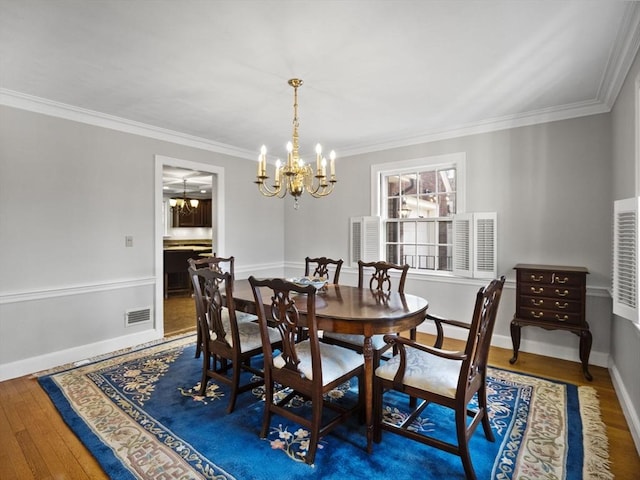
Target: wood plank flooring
[36, 444]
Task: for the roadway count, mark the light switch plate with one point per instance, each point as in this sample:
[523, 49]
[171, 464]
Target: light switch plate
[128, 241]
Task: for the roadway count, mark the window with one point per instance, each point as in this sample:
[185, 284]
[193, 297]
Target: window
[417, 204]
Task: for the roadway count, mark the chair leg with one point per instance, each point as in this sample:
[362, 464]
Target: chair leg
[316, 420]
[463, 446]
[198, 340]
[482, 404]
[235, 383]
[268, 401]
[205, 378]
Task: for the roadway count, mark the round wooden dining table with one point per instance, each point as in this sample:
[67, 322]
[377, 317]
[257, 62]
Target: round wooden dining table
[361, 311]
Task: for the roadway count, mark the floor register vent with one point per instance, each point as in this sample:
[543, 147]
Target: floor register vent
[136, 317]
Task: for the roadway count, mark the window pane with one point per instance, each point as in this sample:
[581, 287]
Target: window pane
[392, 185]
[393, 208]
[427, 206]
[427, 182]
[426, 257]
[408, 232]
[445, 232]
[446, 204]
[392, 232]
[409, 255]
[393, 253]
[447, 180]
[445, 258]
[426, 232]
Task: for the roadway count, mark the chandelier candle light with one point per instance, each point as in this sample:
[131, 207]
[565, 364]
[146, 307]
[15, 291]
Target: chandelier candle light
[295, 176]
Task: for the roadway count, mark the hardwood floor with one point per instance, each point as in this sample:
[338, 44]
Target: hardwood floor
[36, 444]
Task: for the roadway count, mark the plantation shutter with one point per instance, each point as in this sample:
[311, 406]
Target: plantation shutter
[625, 258]
[462, 252]
[484, 251]
[475, 247]
[364, 239]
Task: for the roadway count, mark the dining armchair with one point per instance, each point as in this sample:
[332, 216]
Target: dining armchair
[443, 377]
[308, 367]
[322, 268]
[226, 343]
[377, 277]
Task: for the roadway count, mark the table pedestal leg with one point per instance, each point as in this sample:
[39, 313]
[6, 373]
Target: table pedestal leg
[368, 390]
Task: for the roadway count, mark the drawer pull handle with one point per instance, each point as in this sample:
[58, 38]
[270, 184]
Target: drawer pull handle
[537, 290]
[536, 279]
[559, 280]
[562, 294]
[564, 305]
[564, 318]
[537, 315]
[537, 303]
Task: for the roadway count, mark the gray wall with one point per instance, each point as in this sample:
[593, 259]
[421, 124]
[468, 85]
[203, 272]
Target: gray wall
[625, 337]
[69, 193]
[550, 185]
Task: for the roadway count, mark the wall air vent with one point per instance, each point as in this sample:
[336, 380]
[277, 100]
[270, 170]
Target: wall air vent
[136, 317]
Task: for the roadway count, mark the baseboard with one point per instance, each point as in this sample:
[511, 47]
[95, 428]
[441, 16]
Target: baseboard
[599, 359]
[30, 365]
[630, 414]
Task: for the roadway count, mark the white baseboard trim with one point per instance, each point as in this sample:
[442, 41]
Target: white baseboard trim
[556, 351]
[30, 365]
[630, 414]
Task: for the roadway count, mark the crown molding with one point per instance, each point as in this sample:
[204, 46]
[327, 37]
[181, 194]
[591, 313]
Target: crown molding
[554, 114]
[622, 55]
[52, 108]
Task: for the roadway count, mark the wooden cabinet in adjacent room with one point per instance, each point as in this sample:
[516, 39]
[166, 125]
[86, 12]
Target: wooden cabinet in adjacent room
[552, 297]
[198, 217]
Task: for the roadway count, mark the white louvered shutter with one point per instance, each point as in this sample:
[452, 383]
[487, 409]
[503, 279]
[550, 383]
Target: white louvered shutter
[462, 248]
[475, 245]
[484, 247]
[625, 258]
[365, 239]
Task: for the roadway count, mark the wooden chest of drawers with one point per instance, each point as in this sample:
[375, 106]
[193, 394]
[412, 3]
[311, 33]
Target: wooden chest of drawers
[552, 297]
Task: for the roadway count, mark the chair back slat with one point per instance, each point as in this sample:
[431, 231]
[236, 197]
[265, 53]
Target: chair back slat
[284, 316]
[215, 263]
[213, 292]
[321, 268]
[380, 278]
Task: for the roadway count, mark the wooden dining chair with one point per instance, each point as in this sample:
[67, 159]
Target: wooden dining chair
[309, 368]
[375, 276]
[226, 343]
[443, 377]
[221, 265]
[322, 268]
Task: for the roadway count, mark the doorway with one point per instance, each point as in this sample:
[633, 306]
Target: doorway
[170, 172]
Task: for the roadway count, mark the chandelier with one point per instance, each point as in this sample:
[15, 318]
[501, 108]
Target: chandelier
[185, 206]
[295, 176]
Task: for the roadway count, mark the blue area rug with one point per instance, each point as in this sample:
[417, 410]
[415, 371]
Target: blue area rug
[140, 416]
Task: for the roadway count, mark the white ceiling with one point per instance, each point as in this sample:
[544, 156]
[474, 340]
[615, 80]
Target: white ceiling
[377, 73]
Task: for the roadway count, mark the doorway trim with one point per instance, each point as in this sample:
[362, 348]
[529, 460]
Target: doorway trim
[217, 196]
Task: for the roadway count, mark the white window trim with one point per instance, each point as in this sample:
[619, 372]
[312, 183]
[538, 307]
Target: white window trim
[382, 169]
